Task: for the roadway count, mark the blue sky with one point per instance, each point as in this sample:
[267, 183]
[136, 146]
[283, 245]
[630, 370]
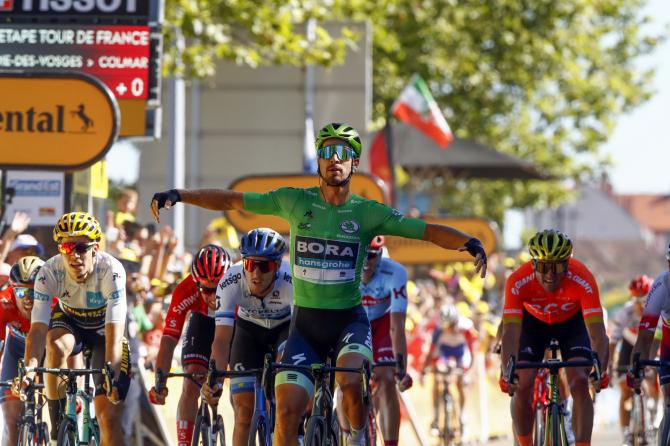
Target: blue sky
[638, 145]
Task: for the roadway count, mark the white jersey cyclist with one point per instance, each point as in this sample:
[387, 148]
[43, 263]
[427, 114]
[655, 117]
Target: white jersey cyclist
[99, 300]
[658, 305]
[386, 292]
[233, 296]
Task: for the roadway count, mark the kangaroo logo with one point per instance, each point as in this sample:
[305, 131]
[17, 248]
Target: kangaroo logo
[81, 114]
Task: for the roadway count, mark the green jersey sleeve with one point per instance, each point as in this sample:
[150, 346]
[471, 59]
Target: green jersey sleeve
[278, 202]
[394, 223]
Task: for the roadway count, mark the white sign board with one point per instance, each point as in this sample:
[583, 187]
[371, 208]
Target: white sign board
[40, 194]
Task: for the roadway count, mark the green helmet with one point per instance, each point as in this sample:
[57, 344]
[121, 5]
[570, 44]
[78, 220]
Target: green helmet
[341, 131]
[551, 245]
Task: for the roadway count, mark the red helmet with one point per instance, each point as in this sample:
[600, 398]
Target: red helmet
[376, 244]
[210, 263]
[640, 285]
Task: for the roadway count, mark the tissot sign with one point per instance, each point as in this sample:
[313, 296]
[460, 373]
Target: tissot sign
[117, 55]
[138, 9]
[55, 122]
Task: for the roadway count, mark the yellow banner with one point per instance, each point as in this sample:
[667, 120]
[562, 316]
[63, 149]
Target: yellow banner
[55, 121]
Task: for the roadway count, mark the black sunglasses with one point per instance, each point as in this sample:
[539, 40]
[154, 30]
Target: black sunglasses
[206, 290]
[554, 267]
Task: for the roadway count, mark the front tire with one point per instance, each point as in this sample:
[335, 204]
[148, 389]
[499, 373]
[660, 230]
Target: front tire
[316, 432]
[25, 435]
[259, 432]
[202, 432]
[68, 434]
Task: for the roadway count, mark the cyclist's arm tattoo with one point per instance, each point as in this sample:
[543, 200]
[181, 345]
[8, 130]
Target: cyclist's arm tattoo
[113, 344]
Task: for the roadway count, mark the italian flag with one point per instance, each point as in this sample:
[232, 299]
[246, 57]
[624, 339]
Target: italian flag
[416, 107]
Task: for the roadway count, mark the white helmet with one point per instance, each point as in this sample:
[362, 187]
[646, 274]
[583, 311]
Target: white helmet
[449, 314]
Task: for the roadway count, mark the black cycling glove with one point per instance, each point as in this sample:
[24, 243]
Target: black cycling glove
[474, 247]
[171, 195]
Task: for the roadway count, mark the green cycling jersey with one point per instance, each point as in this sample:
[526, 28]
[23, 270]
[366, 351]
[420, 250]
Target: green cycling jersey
[328, 243]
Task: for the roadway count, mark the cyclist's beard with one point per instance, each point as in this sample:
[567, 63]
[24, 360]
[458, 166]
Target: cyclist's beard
[331, 183]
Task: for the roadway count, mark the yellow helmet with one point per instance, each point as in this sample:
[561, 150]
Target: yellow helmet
[76, 224]
[551, 245]
[25, 271]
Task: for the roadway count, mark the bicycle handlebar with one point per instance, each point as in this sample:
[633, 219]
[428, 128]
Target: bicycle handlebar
[553, 366]
[638, 365]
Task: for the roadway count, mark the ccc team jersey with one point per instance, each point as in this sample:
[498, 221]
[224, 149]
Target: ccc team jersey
[99, 300]
[328, 243]
[233, 294]
[386, 291]
[577, 292]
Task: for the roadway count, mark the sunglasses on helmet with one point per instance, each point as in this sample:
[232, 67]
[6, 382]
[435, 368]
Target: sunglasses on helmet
[263, 265]
[78, 247]
[554, 267]
[343, 152]
[21, 292]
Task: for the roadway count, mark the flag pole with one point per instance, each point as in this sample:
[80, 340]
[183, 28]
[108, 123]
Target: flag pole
[388, 137]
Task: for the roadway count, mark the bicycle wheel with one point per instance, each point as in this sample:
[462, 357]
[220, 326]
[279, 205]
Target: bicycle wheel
[334, 437]
[218, 432]
[259, 432]
[67, 433]
[371, 428]
[557, 435]
[43, 435]
[316, 432]
[449, 426]
[202, 431]
[94, 433]
[26, 435]
[538, 426]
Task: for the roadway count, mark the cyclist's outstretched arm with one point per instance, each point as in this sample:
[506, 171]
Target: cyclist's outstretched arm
[451, 238]
[35, 343]
[214, 199]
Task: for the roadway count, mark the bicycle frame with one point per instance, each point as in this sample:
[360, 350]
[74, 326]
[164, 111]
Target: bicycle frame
[88, 427]
[554, 427]
[637, 367]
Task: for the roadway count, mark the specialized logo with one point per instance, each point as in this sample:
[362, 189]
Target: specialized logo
[349, 226]
[320, 260]
[300, 357]
[309, 214]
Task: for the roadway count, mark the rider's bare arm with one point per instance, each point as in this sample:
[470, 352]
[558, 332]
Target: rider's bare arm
[599, 341]
[398, 339]
[165, 353]
[451, 238]
[35, 343]
[221, 346]
[511, 334]
[113, 344]
[214, 199]
[445, 236]
[643, 344]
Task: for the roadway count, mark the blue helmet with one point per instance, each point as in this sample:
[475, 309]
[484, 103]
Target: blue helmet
[263, 242]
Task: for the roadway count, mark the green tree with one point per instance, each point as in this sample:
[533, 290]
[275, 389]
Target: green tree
[543, 80]
[250, 32]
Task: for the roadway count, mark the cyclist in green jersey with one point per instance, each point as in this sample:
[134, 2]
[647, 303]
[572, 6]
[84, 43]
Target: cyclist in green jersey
[330, 230]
